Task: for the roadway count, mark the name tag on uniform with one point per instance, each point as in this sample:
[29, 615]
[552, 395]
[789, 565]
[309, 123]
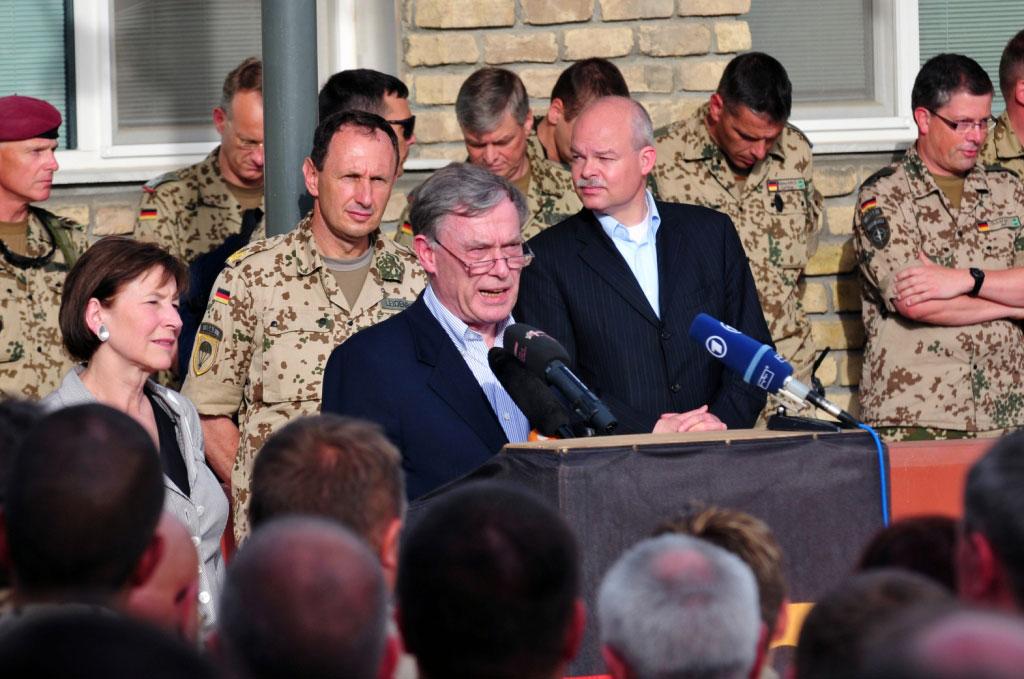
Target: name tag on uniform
[395, 303]
[999, 223]
[786, 185]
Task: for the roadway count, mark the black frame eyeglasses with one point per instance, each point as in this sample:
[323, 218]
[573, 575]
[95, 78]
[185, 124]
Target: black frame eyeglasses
[408, 126]
[483, 266]
[965, 126]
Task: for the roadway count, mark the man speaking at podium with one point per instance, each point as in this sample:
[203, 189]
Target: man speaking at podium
[619, 283]
[423, 374]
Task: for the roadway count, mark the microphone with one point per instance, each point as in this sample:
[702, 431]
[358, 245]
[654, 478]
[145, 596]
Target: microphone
[758, 364]
[542, 409]
[546, 358]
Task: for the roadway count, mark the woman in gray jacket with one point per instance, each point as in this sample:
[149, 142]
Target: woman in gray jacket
[119, 317]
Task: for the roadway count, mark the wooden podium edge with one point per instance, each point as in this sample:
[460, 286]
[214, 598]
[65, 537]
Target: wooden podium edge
[564, 446]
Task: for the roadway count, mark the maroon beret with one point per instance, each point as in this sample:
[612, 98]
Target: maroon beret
[27, 118]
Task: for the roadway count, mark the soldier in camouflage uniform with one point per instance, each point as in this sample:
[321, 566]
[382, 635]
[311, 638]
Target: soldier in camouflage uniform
[494, 114]
[941, 368]
[282, 304]
[738, 155]
[193, 210]
[1003, 146]
[36, 250]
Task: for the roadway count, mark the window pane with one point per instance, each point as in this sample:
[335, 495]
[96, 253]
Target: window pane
[978, 28]
[32, 54]
[825, 46]
[170, 60]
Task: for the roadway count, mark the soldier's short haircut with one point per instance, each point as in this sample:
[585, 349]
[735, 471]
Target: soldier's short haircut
[994, 506]
[749, 538]
[246, 77]
[1011, 65]
[585, 81]
[360, 89]
[102, 272]
[487, 583]
[676, 606]
[920, 544]
[340, 468]
[461, 189]
[17, 417]
[84, 497]
[304, 597]
[486, 96]
[89, 644]
[368, 123]
[759, 82]
[944, 75]
[835, 634]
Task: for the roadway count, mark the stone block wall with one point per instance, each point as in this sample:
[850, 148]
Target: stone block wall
[671, 52]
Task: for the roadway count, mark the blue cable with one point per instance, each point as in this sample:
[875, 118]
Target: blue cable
[881, 471]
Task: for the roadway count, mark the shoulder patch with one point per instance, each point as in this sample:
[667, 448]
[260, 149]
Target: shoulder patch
[881, 174]
[874, 223]
[252, 248]
[152, 184]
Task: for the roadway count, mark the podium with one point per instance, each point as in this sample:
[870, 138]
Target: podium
[820, 494]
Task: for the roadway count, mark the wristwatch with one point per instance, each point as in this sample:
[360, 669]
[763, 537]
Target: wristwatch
[979, 277]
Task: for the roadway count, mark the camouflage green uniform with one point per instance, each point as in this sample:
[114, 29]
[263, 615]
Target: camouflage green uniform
[1002, 147]
[32, 356]
[966, 378]
[274, 317]
[777, 214]
[550, 199]
[190, 211]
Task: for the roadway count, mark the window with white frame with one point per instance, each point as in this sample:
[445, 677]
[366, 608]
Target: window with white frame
[34, 61]
[978, 28]
[852, 63]
[169, 60]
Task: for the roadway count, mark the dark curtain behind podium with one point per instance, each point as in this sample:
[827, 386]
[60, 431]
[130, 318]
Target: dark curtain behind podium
[819, 494]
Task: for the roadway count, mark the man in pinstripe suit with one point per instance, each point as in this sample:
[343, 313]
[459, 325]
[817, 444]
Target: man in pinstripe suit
[619, 283]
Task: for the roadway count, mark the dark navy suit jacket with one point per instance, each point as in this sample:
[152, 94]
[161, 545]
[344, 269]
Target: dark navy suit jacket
[580, 291]
[406, 374]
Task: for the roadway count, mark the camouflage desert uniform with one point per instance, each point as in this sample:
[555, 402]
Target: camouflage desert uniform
[777, 214]
[190, 211]
[550, 199]
[32, 356]
[966, 378]
[273, 319]
[1002, 147]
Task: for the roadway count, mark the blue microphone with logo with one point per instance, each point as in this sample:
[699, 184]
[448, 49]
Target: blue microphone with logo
[759, 365]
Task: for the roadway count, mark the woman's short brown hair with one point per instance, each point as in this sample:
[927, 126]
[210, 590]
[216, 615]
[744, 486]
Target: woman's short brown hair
[102, 272]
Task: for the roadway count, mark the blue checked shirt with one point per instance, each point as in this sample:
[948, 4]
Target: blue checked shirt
[471, 346]
[638, 246]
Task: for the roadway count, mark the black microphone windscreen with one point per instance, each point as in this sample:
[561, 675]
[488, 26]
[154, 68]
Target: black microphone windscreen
[534, 347]
[543, 410]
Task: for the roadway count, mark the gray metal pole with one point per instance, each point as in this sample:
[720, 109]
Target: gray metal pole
[289, 107]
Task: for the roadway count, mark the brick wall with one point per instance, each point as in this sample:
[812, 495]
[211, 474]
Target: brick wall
[671, 52]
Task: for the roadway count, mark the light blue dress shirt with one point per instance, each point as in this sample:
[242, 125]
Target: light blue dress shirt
[473, 349]
[638, 246]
